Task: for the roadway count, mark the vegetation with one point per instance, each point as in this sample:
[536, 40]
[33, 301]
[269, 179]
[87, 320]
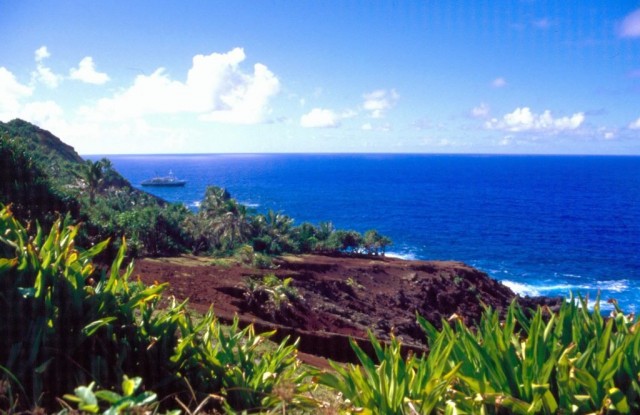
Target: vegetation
[269, 295]
[43, 176]
[75, 335]
[67, 323]
[223, 226]
[570, 361]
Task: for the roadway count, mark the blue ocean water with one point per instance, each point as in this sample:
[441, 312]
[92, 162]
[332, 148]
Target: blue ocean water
[543, 225]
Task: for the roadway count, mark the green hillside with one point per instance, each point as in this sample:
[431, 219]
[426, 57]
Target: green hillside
[42, 177]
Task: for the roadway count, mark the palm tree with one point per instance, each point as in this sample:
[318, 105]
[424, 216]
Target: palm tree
[232, 227]
[93, 175]
[216, 201]
[325, 229]
[278, 228]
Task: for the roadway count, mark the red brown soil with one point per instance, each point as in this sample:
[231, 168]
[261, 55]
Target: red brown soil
[341, 297]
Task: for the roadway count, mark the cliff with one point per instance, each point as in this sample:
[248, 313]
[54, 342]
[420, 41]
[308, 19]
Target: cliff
[339, 296]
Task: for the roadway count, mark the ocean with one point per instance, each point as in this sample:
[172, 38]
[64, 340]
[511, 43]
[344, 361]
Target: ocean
[543, 225]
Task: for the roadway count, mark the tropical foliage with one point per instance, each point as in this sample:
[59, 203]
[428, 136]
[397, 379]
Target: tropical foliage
[42, 176]
[270, 295]
[66, 323]
[222, 226]
[572, 361]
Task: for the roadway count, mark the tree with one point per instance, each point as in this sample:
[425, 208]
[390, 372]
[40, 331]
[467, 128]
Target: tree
[374, 243]
[274, 233]
[93, 173]
[345, 241]
[232, 228]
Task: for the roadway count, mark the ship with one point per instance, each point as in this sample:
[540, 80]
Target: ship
[164, 181]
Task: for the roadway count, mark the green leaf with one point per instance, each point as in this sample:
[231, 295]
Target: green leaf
[619, 401]
[612, 365]
[129, 386]
[585, 379]
[6, 264]
[108, 396]
[91, 328]
[88, 401]
[94, 250]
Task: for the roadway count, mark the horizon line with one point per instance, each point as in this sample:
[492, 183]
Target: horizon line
[359, 153]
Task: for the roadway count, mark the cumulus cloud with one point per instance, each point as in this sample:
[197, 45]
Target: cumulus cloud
[630, 26]
[43, 73]
[86, 72]
[379, 101]
[499, 82]
[216, 89]
[320, 118]
[41, 112]
[41, 53]
[481, 111]
[523, 119]
[635, 125]
[12, 92]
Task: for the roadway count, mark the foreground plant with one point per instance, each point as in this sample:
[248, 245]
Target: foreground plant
[570, 361]
[65, 324]
[114, 403]
[393, 385]
[235, 362]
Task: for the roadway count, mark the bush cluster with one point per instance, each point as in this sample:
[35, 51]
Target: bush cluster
[222, 225]
[66, 324]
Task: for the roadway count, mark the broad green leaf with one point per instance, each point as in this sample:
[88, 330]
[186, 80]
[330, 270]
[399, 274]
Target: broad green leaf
[129, 385]
[91, 328]
[108, 396]
[619, 401]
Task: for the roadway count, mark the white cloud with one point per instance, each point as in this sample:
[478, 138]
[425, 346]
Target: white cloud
[216, 89]
[86, 72]
[366, 127]
[379, 101]
[246, 102]
[42, 53]
[41, 113]
[499, 82]
[320, 118]
[630, 26]
[481, 111]
[522, 119]
[42, 73]
[635, 125]
[11, 92]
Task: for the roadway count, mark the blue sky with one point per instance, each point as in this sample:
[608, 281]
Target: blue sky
[521, 76]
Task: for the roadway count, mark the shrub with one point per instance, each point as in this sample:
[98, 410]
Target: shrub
[270, 294]
[571, 361]
[62, 326]
[416, 385]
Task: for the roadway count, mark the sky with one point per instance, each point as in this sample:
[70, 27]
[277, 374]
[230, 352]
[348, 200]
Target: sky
[352, 76]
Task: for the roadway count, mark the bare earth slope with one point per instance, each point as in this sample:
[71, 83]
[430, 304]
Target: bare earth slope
[341, 296]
